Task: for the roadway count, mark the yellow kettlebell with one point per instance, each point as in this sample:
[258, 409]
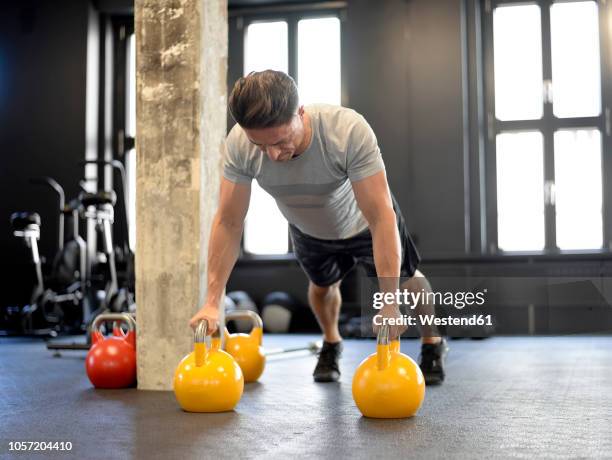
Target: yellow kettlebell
[246, 348]
[207, 380]
[388, 384]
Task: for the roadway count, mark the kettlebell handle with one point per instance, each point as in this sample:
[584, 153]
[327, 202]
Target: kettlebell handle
[383, 339]
[199, 335]
[121, 317]
[199, 341]
[383, 335]
[245, 314]
[384, 347]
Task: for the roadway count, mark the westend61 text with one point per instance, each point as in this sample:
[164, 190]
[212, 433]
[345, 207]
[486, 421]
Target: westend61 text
[432, 320]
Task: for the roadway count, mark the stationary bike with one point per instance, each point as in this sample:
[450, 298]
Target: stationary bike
[99, 208]
[122, 290]
[116, 287]
[46, 312]
[60, 301]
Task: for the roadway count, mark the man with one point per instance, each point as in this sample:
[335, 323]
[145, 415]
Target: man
[323, 166]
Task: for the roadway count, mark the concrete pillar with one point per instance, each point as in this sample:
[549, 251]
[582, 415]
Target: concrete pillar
[181, 67]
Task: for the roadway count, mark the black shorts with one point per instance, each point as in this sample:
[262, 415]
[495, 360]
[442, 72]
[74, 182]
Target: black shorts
[328, 261]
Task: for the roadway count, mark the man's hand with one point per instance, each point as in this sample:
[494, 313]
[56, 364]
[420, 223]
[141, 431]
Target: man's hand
[390, 312]
[209, 313]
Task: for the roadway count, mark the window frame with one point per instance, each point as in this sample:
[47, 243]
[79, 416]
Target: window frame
[547, 125]
[239, 20]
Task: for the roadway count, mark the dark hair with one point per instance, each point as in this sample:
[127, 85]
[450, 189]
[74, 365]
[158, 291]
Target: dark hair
[263, 99]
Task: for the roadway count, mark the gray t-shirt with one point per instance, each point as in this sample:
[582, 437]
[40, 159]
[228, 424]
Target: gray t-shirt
[313, 191]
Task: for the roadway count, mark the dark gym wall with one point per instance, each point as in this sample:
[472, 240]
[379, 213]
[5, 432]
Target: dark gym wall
[404, 65]
[375, 52]
[42, 121]
[436, 126]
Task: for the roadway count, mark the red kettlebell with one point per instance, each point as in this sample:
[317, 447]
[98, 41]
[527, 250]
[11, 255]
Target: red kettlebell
[111, 361]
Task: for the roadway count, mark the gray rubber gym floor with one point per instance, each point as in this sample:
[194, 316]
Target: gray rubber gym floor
[504, 397]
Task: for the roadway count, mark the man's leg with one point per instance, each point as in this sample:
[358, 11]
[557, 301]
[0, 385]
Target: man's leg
[433, 348]
[418, 283]
[325, 303]
[325, 263]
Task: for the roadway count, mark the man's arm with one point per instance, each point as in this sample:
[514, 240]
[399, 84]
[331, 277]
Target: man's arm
[223, 247]
[374, 201]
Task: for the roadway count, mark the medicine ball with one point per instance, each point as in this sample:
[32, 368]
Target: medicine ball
[242, 301]
[228, 304]
[277, 312]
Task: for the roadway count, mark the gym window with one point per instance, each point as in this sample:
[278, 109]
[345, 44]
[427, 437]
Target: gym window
[547, 126]
[306, 45]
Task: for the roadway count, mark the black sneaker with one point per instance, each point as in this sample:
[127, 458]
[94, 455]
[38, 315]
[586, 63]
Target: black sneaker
[327, 369]
[431, 362]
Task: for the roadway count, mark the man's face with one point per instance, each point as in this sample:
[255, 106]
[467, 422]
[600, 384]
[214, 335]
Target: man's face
[280, 143]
